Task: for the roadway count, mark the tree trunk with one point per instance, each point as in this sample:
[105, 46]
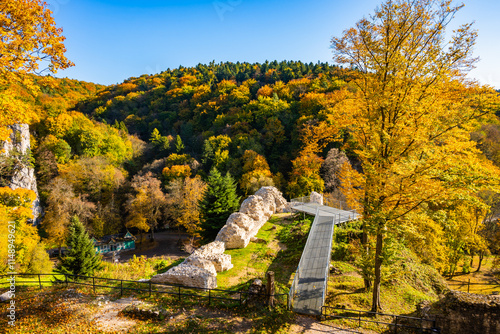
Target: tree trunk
[481, 256]
[364, 241]
[378, 273]
[152, 234]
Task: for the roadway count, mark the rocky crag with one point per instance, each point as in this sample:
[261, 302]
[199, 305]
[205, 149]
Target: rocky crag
[200, 268]
[23, 174]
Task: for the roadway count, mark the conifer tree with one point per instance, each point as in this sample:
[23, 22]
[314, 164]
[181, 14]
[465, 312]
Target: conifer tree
[81, 258]
[218, 202]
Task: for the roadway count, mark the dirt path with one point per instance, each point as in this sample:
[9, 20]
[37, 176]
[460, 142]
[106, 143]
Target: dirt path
[107, 318]
[309, 325]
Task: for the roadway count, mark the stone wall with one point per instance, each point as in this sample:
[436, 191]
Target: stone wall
[254, 212]
[200, 268]
[24, 174]
[467, 313]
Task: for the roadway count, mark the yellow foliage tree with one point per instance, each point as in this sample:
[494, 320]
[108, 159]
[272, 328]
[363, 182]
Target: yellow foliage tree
[176, 172]
[29, 39]
[409, 115]
[256, 173]
[305, 177]
[30, 255]
[189, 212]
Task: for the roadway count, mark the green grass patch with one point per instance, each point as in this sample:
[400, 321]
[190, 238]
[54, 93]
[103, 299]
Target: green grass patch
[254, 260]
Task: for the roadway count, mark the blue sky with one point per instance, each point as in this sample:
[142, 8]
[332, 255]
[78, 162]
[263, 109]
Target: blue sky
[112, 40]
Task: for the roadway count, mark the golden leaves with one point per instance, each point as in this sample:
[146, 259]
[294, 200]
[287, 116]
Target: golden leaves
[29, 38]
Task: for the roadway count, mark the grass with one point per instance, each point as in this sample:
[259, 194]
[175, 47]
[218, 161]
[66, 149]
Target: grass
[482, 282]
[279, 246]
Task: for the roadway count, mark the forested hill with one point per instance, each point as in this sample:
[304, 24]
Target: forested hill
[259, 107]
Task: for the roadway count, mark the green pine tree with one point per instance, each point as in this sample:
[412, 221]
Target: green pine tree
[218, 202]
[81, 258]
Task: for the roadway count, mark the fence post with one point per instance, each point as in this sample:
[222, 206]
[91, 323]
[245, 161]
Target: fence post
[93, 283]
[270, 288]
[241, 298]
[209, 296]
[121, 288]
[468, 286]
[396, 325]
[66, 278]
[39, 282]
[179, 293]
[150, 289]
[359, 319]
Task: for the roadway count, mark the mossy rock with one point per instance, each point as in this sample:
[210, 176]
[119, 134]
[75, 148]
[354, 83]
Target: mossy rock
[144, 311]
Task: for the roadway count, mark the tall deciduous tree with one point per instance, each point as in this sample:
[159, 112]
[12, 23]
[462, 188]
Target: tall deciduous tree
[81, 258]
[183, 200]
[410, 114]
[145, 207]
[29, 39]
[305, 177]
[218, 202]
[62, 204]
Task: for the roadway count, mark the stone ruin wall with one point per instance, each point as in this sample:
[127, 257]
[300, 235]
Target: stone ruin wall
[201, 267]
[467, 313]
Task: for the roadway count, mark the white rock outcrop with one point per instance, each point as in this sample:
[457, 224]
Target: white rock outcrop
[254, 212]
[24, 174]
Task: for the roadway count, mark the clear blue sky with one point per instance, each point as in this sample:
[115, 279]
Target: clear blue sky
[112, 40]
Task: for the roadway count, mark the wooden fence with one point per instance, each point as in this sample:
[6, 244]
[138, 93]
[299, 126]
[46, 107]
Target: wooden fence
[235, 296]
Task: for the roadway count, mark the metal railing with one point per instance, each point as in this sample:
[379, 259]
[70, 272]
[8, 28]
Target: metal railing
[297, 276]
[336, 219]
[397, 323]
[142, 286]
[300, 200]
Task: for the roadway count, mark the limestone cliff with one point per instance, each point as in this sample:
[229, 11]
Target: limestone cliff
[23, 174]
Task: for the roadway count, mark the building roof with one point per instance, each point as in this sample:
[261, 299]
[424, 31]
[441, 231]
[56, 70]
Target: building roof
[114, 238]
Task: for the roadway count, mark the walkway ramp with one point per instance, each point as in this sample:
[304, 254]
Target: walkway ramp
[308, 291]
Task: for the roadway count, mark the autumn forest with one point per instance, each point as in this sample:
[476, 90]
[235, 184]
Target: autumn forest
[394, 128]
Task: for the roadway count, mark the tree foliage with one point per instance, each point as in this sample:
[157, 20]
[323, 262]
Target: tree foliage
[29, 39]
[183, 198]
[81, 258]
[410, 114]
[218, 202]
[145, 207]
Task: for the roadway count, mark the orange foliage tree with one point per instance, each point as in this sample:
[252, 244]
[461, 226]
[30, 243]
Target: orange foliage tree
[409, 115]
[29, 38]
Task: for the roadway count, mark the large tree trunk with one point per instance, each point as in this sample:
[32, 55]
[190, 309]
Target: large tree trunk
[378, 273]
[364, 241]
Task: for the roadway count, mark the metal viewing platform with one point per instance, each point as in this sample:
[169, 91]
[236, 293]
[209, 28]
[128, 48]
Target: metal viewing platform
[308, 291]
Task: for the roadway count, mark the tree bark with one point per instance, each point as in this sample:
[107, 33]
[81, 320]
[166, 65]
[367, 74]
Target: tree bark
[481, 256]
[364, 242]
[378, 273]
